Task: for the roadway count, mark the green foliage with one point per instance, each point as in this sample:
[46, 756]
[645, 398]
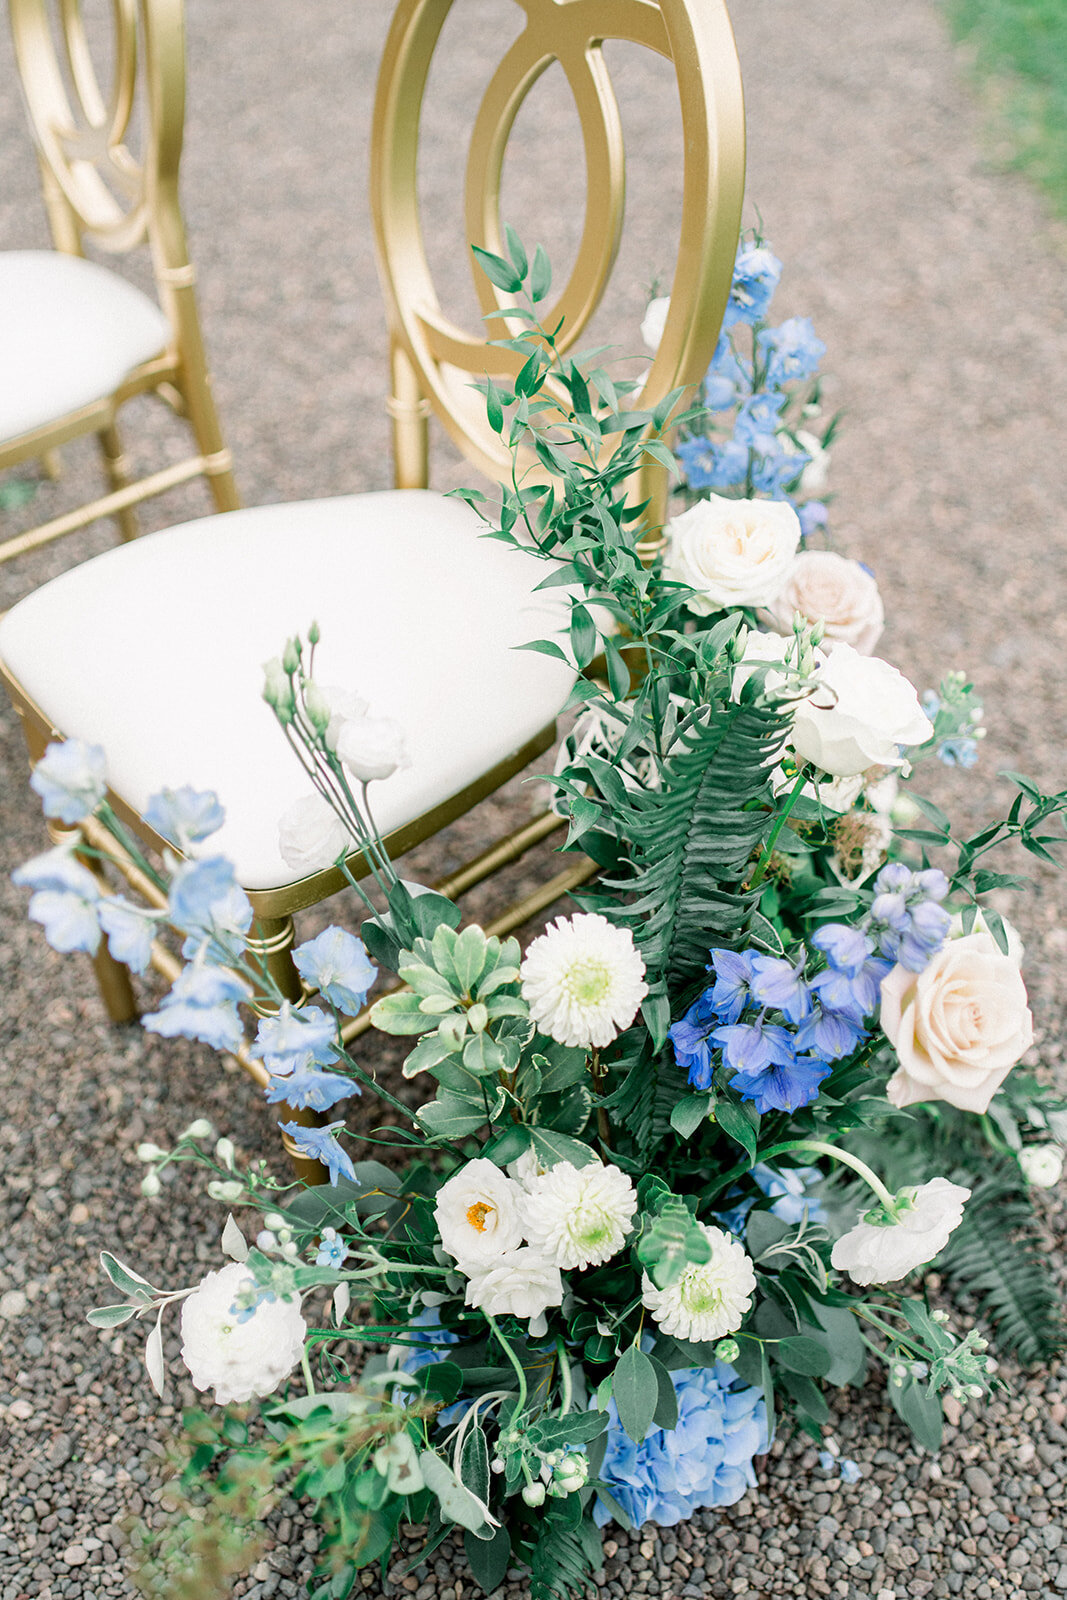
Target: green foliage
[565, 1552]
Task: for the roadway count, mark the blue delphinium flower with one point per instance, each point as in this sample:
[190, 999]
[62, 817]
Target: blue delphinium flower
[906, 917]
[758, 418]
[311, 1090]
[433, 1341]
[705, 1461]
[206, 900]
[788, 1185]
[775, 465]
[333, 1252]
[295, 1038]
[708, 465]
[335, 963]
[202, 1004]
[845, 946]
[690, 1038]
[65, 900]
[71, 779]
[752, 1047]
[733, 982]
[757, 272]
[185, 816]
[320, 1144]
[728, 379]
[129, 930]
[850, 1472]
[781, 985]
[783, 1085]
[960, 752]
[813, 515]
[792, 351]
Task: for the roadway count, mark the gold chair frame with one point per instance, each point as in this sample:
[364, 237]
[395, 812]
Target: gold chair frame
[433, 363]
[95, 188]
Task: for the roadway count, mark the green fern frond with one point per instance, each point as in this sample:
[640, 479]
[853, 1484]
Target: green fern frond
[566, 1554]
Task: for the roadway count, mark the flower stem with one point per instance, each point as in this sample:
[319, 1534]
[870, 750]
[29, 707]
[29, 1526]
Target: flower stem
[603, 1124]
[520, 1372]
[836, 1154]
[783, 817]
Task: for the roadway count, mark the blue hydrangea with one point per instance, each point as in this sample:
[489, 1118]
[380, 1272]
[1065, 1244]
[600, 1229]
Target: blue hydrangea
[432, 1345]
[185, 816]
[295, 1039]
[792, 351]
[65, 900]
[71, 779]
[705, 1461]
[130, 931]
[309, 1090]
[757, 272]
[708, 465]
[202, 1004]
[336, 964]
[321, 1144]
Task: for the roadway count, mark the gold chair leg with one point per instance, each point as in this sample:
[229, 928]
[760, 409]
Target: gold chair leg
[117, 467]
[52, 465]
[270, 946]
[113, 979]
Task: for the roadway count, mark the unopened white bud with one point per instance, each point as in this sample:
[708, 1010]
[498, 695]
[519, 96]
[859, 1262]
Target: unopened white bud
[225, 1152]
[200, 1129]
[228, 1191]
[150, 1152]
[289, 1249]
[275, 1220]
[265, 1240]
[150, 1185]
[534, 1494]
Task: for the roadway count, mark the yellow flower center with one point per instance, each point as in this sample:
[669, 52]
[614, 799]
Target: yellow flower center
[477, 1214]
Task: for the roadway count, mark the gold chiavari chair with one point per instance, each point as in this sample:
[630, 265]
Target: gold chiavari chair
[76, 339]
[417, 612]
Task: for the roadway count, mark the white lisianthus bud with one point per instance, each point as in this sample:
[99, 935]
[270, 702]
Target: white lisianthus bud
[317, 707]
[534, 1494]
[150, 1152]
[225, 1152]
[200, 1129]
[227, 1192]
[1042, 1164]
[278, 690]
[311, 835]
[150, 1186]
[265, 1240]
[274, 1220]
[343, 705]
[371, 748]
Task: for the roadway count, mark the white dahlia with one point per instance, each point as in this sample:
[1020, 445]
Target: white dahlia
[884, 1250]
[583, 980]
[240, 1355]
[477, 1214]
[579, 1216]
[520, 1283]
[709, 1300]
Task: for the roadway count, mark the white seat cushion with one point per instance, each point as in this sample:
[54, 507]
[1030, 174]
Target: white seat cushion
[155, 650]
[70, 332]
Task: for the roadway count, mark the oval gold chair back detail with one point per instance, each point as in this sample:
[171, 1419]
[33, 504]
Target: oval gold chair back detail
[434, 361]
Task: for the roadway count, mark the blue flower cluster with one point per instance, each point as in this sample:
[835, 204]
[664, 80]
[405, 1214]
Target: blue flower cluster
[761, 456]
[786, 1187]
[907, 919]
[705, 1461]
[957, 717]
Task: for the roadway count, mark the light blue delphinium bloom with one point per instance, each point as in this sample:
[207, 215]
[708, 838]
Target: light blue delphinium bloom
[752, 1047]
[813, 515]
[296, 1038]
[709, 465]
[733, 980]
[792, 351]
[202, 1005]
[775, 465]
[71, 779]
[827, 1460]
[65, 900]
[959, 752]
[831, 1034]
[320, 1144]
[185, 816]
[757, 271]
[781, 985]
[728, 379]
[197, 888]
[705, 1461]
[311, 1090]
[758, 419]
[689, 1036]
[845, 947]
[222, 936]
[129, 930]
[333, 1252]
[336, 964]
[782, 1085]
[787, 1185]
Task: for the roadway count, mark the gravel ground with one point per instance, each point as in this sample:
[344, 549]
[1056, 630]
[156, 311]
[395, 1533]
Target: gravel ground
[937, 284]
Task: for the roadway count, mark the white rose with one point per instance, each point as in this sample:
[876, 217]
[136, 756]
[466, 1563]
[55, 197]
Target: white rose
[239, 1360]
[520, 1283]
[732, 552]
[885, 1252]
[958, 1027]
[861, 711]
[371, 747]
[1042, 1164]
[477, 1214]
[311, 835]
[841, 594]
[654, 321]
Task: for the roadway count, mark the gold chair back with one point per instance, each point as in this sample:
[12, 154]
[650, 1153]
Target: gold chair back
[433, 359]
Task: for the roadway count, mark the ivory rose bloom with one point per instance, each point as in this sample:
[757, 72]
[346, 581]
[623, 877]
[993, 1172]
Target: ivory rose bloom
[861, 712]
[841, 594]
[519, 1283]
[477, 1214]
[732, 552]
[958, 1027]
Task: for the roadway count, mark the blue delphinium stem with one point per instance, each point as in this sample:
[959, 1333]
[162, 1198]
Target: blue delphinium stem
[783, 817]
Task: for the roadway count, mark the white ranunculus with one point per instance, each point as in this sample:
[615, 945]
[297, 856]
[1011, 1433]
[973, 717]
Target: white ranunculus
[841, 594]
[958, 1027]
[343, 705]
[883, 1252]
[583, 980]
[520, 1283]
[732, 552]
[477, 1214]
[580, 1216]
[239, 1360]
[371, 747]
[1042, 1165]
[707, 1301]
[861, 713]
[311, 835]
[654, 321]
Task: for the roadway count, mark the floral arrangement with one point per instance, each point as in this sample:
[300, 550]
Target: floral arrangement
[676, 1162]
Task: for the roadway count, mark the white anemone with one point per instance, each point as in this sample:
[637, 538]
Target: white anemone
[883, 1251]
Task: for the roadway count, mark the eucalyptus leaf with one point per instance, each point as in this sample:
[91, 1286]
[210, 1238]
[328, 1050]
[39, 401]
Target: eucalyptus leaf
[635, 1390]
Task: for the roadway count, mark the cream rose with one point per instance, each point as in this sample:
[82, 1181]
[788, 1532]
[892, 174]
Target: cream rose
[732, 552]
[861, 712]
[841, 594]
[958, 1027]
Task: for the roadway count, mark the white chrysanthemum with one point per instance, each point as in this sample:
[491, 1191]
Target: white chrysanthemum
[520, 1283]
[707, 1301]
[239, 1359]
[583, 980]
[477, 1213]
[579, 1216]
[882, 1253]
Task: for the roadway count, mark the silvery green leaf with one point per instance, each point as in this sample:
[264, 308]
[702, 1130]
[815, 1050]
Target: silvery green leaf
[110, 1316]
[234, 1242]
[457, 1503]
[342, 1299]
[153, 1357]
[126, 1279]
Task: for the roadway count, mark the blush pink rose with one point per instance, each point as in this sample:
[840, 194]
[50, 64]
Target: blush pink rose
[958, 1027]
[841, 594]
